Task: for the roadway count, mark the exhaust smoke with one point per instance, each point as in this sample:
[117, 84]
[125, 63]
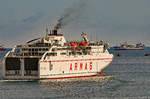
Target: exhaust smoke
[72, 13]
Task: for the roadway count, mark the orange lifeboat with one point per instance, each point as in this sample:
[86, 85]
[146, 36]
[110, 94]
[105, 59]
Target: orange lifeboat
[73, 44]
[83, 44]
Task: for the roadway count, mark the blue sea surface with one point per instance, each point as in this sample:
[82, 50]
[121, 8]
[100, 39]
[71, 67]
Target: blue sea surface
[132, 81]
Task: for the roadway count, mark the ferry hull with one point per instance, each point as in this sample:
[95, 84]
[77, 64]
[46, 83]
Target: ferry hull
[68, 68]
[73, 68]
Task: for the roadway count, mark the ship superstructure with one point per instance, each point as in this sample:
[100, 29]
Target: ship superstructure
[52, 57]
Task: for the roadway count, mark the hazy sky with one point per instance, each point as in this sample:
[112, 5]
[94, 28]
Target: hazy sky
[114, 21]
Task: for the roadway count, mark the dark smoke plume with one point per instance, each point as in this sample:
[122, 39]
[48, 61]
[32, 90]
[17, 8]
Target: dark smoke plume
[71, 14]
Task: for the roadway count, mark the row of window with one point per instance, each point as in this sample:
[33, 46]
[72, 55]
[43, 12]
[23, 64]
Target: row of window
[35, 49]
[64, 53]
[33, 54]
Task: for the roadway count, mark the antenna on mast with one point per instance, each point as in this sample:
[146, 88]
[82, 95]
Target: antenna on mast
[84, 36]
[47, 30]
[50, 29]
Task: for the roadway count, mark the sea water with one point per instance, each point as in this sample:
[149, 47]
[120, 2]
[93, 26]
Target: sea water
[132, 81]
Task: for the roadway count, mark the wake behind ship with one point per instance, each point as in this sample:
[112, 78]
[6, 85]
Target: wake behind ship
[52, 57]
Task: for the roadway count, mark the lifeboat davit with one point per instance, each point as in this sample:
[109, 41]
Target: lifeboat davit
[83, 44]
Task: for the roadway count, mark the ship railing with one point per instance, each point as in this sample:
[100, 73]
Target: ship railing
[18, 73]
[13, 54]
[13, 72]
[34, 54]
[30, 73]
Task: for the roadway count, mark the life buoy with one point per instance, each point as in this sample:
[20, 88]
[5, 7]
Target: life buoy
[118, 54]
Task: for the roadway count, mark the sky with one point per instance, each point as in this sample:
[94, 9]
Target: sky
[114, 21]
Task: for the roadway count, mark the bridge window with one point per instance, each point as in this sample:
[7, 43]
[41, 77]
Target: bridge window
[51, 54]
[63, 53]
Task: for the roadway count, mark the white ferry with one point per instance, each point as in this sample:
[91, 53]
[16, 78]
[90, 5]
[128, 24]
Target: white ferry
[52, 57]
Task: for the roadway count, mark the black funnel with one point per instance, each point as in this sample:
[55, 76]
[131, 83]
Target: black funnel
[55, 32]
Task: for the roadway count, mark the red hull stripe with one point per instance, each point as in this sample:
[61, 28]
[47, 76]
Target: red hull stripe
[59, 35]
[78, 60]
[71, 77]
[1, 49]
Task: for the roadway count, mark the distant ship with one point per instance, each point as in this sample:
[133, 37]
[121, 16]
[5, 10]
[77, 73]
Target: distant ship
[126, 46]
[1, 47]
